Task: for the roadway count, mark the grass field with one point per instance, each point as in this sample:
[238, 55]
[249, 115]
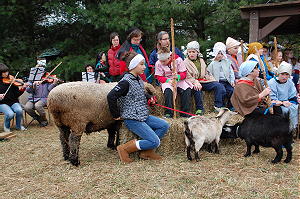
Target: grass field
[32, 167]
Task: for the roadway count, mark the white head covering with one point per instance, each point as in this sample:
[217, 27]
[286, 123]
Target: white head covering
[135, 61]
[219, 46]
[252, 56]
[247, 67]
[193, 45]
[285, 67]
[230, 42]
[163, 56]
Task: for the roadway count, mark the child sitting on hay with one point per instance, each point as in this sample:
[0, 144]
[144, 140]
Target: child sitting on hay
[165, 75]
[130, 95]
[200, 79]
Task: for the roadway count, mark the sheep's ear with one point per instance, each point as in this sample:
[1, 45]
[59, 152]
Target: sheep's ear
[149, 88]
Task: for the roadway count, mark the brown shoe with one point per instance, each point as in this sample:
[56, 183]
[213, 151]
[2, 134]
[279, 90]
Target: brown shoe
[125, 149]
[150, 155]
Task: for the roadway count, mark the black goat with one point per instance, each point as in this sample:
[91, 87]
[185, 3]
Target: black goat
[264, 130]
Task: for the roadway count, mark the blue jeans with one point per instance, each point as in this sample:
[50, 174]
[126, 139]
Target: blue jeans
[219, 90]
[198, 99]
[229, 92]
[9, 113]
[151, 131]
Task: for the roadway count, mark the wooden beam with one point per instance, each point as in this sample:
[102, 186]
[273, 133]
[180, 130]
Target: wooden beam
[254, 26]
[267, 29]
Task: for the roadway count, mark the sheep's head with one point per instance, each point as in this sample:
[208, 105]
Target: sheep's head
[150, 89]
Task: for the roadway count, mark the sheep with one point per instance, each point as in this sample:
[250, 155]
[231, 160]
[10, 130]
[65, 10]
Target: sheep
[201, 129]
[79, 107]
[265, 130]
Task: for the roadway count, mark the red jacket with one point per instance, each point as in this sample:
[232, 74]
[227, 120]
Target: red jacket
[116, 67]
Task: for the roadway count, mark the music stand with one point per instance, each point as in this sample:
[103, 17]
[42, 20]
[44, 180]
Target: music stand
[36, 74]
[88, 77]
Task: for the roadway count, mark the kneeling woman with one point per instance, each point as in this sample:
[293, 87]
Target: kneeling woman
[130, 95]
[248, 93]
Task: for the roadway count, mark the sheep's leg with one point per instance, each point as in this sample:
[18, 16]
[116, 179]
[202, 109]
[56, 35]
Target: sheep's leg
[198, 145]
[289, 152]
[111, 138]
[210, 148]
[279, 154]
[64, 140]
[74, 142]
[248, 152]
[256, 150]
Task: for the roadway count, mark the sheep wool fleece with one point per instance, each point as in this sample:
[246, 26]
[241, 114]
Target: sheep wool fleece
[133, 106]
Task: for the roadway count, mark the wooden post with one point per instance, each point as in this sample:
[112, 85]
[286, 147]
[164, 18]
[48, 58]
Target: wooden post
[254, 26]
[242, 50]
[275, 52]
[174, 70]
[262, 67]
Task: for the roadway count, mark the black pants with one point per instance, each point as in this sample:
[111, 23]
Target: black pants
[185, 100]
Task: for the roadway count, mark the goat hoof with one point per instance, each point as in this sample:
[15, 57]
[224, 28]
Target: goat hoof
[287, 160]
[113, 147]
[256, 151]
[66, 158]
[247, 155]
[275, 161]
[75, 162]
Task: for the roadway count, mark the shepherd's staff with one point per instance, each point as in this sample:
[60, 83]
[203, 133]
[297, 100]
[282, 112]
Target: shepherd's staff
[262, 67]
[174, 71]
[275, 52]
[242, 50]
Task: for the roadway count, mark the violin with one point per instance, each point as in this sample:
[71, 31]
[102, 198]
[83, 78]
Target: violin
[11, 79]
[50, 78]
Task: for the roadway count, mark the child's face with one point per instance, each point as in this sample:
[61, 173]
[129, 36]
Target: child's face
[165, 62]
[265, 51]
[192, 54]
[136, 40]
[279, 56]
[261, 51]
[165, 41]
[89, 69]
[103, 58]
[219, 56]
[140, 68]
[283, 77]
[233, 50]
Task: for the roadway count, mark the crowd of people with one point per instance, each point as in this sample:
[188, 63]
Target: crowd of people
[237, 84]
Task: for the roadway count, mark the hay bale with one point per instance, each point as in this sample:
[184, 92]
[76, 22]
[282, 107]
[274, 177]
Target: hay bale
[208, 102]
[172, 142]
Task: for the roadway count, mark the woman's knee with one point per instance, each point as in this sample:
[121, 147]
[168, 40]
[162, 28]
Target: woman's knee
[9, 115]
[155, 142]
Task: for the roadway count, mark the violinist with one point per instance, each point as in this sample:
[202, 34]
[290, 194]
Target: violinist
[37, 99]
[9, 102]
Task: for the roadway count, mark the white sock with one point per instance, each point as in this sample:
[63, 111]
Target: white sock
[137, 145]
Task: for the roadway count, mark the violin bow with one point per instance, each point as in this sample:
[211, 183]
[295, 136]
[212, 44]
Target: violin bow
[174, 66]
[11, 83]
[53, 70]
[262, 67]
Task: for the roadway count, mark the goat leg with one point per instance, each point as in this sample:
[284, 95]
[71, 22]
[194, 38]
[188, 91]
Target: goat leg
[256, 150]
[74, 142]
[279, 154]
[197, 156]
[217, 149]
[111, 138]
[248, 152]
[289, 152]
[188, 152]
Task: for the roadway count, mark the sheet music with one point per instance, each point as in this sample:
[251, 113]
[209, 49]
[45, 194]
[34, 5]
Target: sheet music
[88, 77]
[36, 74]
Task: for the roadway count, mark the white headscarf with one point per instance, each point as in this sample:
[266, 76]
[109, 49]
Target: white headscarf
[135, 61]
[219, 46]
[285, 67]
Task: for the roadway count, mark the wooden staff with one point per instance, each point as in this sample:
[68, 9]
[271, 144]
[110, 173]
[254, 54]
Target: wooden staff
[275, 52]
[174, 71]
[242, 50]
[262, 67]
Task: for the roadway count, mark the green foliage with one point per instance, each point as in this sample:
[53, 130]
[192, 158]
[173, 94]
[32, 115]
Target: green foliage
[80, 29]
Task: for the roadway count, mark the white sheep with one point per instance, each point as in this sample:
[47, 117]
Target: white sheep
[79, 107]
[201, 129]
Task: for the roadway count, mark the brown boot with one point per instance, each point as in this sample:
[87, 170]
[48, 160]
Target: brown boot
[125, 149]
[150, 155]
